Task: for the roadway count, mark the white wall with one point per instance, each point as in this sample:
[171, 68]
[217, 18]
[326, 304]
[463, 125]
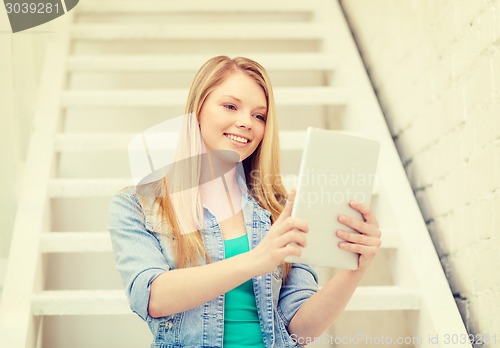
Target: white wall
[435, 65]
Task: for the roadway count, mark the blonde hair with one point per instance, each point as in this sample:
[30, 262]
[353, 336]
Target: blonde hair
[261, 168]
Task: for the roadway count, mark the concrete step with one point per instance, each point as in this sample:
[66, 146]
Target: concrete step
[192, 62]
[108, 187]
[197, 31]
[105, 187]
[67, 142]
[114, 302]
[193, 6]
[92, 242]
[75, 242]
[80, 302]
[287, 96]
[289, 140]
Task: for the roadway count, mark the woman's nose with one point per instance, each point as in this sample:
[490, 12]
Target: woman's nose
[244, 121]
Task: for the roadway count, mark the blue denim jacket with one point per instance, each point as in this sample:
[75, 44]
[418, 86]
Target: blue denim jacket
[142, 255]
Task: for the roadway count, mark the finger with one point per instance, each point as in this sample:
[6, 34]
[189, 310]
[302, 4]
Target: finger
[289, 250]
[366, 211]
[359, 238]
[292, 223]
[360, 226]
[358, 248]
[293, 236]
[287, 211]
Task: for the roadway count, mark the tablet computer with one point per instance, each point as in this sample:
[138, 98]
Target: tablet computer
[335, 168]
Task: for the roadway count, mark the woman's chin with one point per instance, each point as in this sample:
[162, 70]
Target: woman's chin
[225, 156]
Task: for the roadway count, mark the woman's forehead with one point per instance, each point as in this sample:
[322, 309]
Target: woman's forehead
[241, 88]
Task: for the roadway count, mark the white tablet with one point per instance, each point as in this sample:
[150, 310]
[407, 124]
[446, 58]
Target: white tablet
[335, 169]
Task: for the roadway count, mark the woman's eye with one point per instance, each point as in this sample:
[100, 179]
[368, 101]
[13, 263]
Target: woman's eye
[230, 107]
[261, 117]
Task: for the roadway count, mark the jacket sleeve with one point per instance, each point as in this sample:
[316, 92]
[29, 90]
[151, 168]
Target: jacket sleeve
[137, 251]
[299, 286]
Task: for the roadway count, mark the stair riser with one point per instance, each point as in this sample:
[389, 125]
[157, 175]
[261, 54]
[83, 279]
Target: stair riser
[122, 80]
[197, 31]
[197, 6]
[213, 48]
[274, 63]
[288, 96]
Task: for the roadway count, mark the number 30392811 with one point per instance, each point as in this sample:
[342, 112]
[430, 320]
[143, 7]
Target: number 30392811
[32, 8]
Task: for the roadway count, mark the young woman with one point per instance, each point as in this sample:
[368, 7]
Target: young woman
[206, 268]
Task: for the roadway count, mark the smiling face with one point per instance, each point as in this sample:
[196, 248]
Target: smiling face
[233, 117]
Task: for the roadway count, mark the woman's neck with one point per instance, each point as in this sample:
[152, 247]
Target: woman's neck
[220, 191]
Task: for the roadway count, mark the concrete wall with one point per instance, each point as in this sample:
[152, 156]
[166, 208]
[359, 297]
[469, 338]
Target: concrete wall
[435, 65]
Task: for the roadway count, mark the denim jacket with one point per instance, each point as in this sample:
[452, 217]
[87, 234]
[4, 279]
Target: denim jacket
[142, 255]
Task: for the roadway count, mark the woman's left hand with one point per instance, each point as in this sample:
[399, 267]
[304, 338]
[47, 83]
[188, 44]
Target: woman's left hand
[367, 242]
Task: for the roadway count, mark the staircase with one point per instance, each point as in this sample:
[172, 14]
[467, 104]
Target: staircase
[119, 67]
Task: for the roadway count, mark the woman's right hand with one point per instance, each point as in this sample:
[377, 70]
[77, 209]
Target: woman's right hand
[278, 242]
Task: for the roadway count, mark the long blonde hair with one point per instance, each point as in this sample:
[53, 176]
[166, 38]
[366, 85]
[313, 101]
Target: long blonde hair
[261, 168]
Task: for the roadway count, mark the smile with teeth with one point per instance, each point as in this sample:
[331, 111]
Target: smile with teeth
[237, 138]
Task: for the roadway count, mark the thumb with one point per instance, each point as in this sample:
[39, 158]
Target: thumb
[287, 211]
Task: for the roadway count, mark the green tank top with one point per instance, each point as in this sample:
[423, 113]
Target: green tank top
[241, 321]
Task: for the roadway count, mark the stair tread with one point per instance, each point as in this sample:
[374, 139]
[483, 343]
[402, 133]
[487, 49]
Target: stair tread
[81, 242]
[108, 187]
[103, 187]
[177, 97]
[196, 6]
[114, 302]
[289, 140]
[80, 302]
[198, 31]
[192, 62]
